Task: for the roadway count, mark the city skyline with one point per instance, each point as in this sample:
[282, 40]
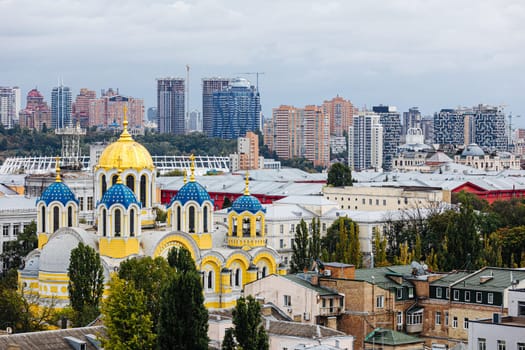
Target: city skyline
[434, 55]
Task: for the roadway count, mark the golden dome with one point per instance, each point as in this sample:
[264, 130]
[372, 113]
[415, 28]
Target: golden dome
[125, 153]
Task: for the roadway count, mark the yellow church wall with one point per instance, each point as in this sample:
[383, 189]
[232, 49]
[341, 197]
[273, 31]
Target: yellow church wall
[167, 243]
[118, 247]
[203, 240]
[42, 240]
[269, 259]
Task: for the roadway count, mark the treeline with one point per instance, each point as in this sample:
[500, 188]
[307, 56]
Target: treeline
[17, 142]
[468, 236]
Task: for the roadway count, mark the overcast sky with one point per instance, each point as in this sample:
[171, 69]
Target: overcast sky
[432, 54]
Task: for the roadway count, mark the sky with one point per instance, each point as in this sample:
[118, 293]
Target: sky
[431, 54]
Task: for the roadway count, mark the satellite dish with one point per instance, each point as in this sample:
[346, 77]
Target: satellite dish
[9, 330]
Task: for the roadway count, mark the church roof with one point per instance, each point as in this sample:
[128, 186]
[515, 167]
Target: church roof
[58, 191]
[119, 194]
[191, 191]
[247, 203]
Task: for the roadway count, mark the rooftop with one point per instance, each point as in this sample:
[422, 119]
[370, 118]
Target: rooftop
[491, 279]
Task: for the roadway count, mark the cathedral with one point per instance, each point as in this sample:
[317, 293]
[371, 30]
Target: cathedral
[227, 256]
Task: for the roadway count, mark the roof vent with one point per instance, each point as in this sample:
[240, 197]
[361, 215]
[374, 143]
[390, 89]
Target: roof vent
[76, 343]
[485, 279]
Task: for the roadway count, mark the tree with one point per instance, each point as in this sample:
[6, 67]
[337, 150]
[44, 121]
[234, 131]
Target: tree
[300, 257]
[126, 317]
[148, 275]
[227, 203]
[379, 246]
[181, 259]
[15, 251]
[86, 283]
[228, 342]
[339, 175]
[183, 320]
[249, 331]
[314, 244]
[341, 242]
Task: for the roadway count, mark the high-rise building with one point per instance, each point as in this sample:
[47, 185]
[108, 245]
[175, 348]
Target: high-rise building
[391, 121]
[316, 136]
[108, 110]
[194, 121]
[340, 112]
[247, 156]
[9, 106]
[152, 114]
[411, 119]
[61, 101]
[170, 105]
[483, 125]
[236, 110]
[299, 132]
[37, 114]
[210, 86]
[365, 142]
[81, 107]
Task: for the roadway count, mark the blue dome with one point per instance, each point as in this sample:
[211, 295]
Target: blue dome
[119, 194]
[191, 191]
[247, 203]
[58, 191]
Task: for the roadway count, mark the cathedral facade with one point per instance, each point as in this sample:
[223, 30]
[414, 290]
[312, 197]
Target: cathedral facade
[227, 256]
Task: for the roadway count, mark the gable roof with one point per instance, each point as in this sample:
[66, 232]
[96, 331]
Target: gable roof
[52, 340]
[302, 280]
[491, 279]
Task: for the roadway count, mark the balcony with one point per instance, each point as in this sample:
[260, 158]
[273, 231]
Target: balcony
[331, 311]
[414, 328]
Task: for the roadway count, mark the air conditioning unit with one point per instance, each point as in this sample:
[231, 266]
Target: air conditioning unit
[328, 272]
[306, 316]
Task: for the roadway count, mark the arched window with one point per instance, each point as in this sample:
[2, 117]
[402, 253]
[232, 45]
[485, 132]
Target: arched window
[69, 216]
[130, 182]
[205, 219]
[104, 223]
[263, 272]
[114, 179]
[178, 218]
[246, 227]
[103, 184]
[56, 218]
[43, 215]
[191, 228]
[234, 227]
[237, 277]
[258, 226]
[117, 223]
[132, 222]
[143, 190]
[210, 280]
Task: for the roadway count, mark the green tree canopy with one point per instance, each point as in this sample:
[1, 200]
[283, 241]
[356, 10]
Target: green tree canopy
[300, 244]
[249, 330]
[86, 283]
[126, 317]
[15, 251]
[341, 242]
[181, 260]
[339, 175]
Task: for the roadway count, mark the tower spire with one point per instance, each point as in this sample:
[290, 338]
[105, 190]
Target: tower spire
[192, 168]
[185, 179]
[57, 169]
[125, 136]
[247, 182]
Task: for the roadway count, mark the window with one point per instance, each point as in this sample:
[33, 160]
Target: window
[482, 344]
[399, 318]
[238, 277]
[281, 228]
[56, 218]
[439, 292]
[43, 215]
[447, 293]
[377, 201]
[521, 346]
[415, 318]
[143, 190]
[521, 308]
[132, 223]
[364, 201]
[130, 182]
[467, 295]
[292, 228]
[438, 318]
[118, 226]
[410, 292]
[287, 300]
[370, 201]
[478, 297]
[89, 203]
[380, 300]
[178, 218]
[465, 323]
[446, 318]
[69, 216]
[399, 293]
[456, 294]
[490, 298]
[324, 227]
[455, 322]
[81, 203]
[281, 243]
[384, 201]
[104, 185]
[205, 219]
[5, 230]
[104, 223]
[501, 345]
[191, 226]
[209, 283]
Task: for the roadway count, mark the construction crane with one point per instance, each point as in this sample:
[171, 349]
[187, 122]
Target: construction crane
[256, 77]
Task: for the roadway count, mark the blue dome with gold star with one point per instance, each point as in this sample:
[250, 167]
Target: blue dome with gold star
[119, 194]
[58, 191]
[247, 203]
[191, 191]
